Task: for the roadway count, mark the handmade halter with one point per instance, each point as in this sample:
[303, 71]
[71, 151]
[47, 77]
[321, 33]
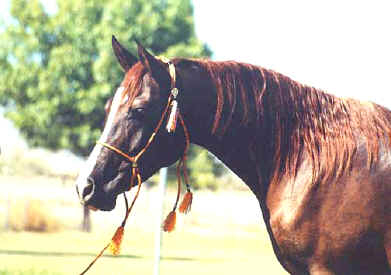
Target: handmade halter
[172, 105]
[173, 115]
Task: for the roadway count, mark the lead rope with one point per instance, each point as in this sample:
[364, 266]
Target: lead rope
[169, 224]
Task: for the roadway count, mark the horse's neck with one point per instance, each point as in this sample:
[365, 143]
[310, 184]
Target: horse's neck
[234, 150]
[235, 146]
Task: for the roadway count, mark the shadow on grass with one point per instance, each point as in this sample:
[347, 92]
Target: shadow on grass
[83, 254]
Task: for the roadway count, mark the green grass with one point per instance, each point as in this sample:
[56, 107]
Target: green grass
[213, 239]
[183, 252]
[27, 272]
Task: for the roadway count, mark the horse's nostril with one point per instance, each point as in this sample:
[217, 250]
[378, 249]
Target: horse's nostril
[88, 190]
[90, 181]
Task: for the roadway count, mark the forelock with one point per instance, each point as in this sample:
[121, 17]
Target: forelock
[133, 82]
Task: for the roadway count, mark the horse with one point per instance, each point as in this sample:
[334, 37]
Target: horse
[319, 165]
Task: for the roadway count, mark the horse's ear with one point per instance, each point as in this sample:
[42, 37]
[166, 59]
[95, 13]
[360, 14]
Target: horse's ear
[124, 57]
[157, 68]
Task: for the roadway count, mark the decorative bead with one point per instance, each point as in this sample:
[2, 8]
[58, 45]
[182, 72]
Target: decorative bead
[174, 92]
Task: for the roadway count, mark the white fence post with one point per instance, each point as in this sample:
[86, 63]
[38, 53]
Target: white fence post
[158, 230]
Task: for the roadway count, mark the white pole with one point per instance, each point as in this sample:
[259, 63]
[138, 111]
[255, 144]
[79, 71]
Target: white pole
[158, 230]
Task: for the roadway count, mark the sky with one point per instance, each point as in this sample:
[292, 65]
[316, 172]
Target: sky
[342, 47]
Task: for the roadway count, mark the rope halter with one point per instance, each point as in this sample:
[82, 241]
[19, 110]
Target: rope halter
[172, 111]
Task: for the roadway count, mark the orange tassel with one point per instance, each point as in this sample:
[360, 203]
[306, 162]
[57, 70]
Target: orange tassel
[169, 223]
[186, 203]
[115, 244]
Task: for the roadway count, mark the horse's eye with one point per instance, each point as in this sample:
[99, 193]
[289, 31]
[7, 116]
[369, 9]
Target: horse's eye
[137, 113]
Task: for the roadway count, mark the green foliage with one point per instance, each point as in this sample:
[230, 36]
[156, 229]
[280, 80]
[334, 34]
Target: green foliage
[203, 169]
[58, 69]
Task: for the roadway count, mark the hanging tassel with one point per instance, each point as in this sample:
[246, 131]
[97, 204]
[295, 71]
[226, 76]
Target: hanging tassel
[115, 244]
[185, 205]
[170, 221]
[173, 117]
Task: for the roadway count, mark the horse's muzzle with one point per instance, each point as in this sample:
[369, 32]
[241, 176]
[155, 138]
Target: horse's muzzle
[93, 199]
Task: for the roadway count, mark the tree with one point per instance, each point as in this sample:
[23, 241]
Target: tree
[58, 69]
[204, 169]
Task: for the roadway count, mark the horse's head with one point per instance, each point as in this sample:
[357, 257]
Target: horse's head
[136, 109]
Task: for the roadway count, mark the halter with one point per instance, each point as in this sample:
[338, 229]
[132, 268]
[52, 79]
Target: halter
[174, 114]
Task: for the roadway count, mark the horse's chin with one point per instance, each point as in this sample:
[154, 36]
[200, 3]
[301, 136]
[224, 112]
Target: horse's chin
[107, 205]
[108, 208]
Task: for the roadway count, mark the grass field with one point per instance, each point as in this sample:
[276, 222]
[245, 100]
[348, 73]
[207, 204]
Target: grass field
[183, 253]
[223, 234]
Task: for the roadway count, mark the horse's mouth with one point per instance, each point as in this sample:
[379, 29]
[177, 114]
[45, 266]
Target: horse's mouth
[104, 195]
[93, 208]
